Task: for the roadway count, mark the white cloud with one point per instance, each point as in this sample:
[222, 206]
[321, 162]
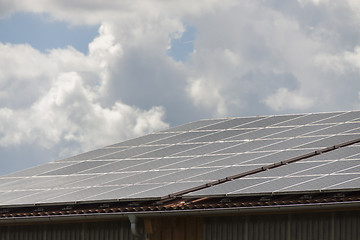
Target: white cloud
[250, 58]
[340, 63]
[206, 95]
[65, 98]
[283, 99]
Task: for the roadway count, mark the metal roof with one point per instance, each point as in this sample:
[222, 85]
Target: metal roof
[286, 154]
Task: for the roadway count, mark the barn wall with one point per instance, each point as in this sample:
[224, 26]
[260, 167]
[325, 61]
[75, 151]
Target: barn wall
[305, 226]
[119, 230]
[285, 226]
[174, 228]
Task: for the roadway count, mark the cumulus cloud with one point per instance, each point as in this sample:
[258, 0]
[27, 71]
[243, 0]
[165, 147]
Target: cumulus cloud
[69, 111]
[250, 58]
[284, 99]
[59, 98]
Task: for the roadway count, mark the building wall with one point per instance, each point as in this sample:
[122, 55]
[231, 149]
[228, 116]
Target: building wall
[295, 226]
[119, 230]
[342, 225]
[174, 228]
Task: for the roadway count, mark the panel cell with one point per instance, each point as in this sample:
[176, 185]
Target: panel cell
[231, 123]
[143, 140]
[150, 164]
[269, 121]
[131, 152]
[194, 162]
[299, 131]
[40, 169]
[237, 159]
[291, 143]
[228, 187]
[168, 151]
[259, 133]
[353, 183]
[207, 149]
[272, 186]
[336, 129]
[331, 141]
[165, 190]
[140, 178]
[8, 197]
[287, 170]
[348, 116]
[183, 137]
[123, 192]
[329, 168]
[93, 154]
[222, 173]
[222, 135]
[195, 125]
[116, 166]
[76, 168]
[307, 119]
[180, 175]
[319, 183]
[81, 195]
[248, 146]
[277, 157]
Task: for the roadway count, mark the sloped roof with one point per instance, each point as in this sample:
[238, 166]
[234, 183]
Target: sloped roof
[230, 157]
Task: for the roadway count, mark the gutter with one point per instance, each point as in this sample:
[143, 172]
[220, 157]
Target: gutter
[190, 212]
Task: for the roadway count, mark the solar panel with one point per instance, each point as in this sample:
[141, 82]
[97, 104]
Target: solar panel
[131, 152]
[98, 179]
[164, 190]
[353, 183]
[41, 196]
[339, 128]
[183, 137]
[348, 116]
[235, 159]
[143, 140]
[75, 168]
[319, 183]
[206, 149]
[304, 175]
[272, 185]
[93, 154]
[194, 162]
[248, 146]
[170, 150]
[140, 177]
[41, 169]
[123, 192]
[268, 121]
[231, 123]
[221, 135]
[307, 119]
[191, 155]
[259, 133]
[79, 195]
[299, 131]
[195, 125]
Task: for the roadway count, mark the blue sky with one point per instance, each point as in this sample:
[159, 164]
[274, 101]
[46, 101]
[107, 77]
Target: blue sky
[75, 76]
[43, 33]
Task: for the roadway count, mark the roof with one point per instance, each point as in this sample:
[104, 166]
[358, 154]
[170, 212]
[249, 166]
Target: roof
[285, 156]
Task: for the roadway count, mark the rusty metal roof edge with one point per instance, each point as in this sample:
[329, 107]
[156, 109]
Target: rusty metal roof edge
[200, 212]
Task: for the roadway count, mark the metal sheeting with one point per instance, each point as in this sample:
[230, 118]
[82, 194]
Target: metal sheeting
[119, 230]
[309, 226]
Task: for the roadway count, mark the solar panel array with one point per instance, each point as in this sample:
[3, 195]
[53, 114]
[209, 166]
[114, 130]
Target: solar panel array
[191, 155]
